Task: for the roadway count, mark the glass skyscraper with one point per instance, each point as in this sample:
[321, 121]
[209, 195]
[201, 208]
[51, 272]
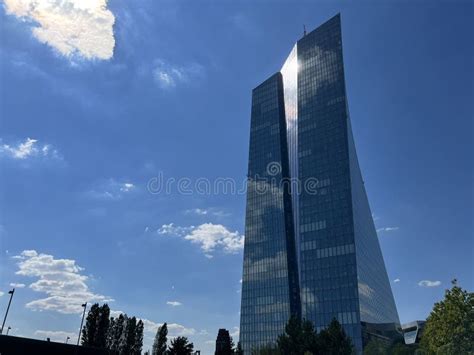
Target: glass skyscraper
[311, 247]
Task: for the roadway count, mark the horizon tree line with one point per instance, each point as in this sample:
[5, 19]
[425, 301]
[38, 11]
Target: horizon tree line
[449, 330]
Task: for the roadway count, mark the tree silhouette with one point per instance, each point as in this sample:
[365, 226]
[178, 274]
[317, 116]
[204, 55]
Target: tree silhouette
[138, 343]
[333, 340]
[95, 331]
[181, 346]
[238, 350]
[299, 337]
[159, 345]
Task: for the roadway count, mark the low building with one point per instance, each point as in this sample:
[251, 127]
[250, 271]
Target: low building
[413, 331]
[11, 345]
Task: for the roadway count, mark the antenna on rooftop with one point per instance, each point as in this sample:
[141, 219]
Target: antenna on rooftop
[304, 30]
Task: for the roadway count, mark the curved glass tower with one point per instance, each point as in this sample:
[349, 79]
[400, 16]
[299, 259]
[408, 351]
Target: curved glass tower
[311, 247]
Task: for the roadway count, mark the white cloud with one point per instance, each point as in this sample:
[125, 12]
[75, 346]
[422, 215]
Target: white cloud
[172, 229]
[208, 236]
[168, 76]
[69, 26]
[396, 280]
[56, 335]
[126, 187]
[17, 285]
[198, 211]
[1, 293]
[387, 229]
[174, 303]
[174, 329]
[29, 148]
[60, 279]
[428, 283]
[111, 190]
[115, 314]
[208, 211]
[235, 332]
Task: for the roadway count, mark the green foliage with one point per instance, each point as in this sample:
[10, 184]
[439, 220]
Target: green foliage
[138, 343]
[300, 338]
[291, 342]
[238, 350]
[449, 328]
[181, 346]
[159, 345]
[376, 347]
[94, 332]
[269, 349]
[115, 331]
[400, 348]
[333, 340]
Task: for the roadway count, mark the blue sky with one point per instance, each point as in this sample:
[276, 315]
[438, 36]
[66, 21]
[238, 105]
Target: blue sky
[90, 116]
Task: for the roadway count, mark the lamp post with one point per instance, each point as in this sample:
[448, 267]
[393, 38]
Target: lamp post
[8, 329]
[84, 305]
[67, 339]
[11, 292]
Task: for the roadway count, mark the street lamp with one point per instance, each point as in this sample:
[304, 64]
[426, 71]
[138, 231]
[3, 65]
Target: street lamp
[11, 292]
[8, 329]
[67, 339]
[84, 305]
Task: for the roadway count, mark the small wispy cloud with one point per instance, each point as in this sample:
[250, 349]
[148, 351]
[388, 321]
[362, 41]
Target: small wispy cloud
[1, 293]
[168, 76]
[111, 189]
[207, 236]
[387, 229]
[28, 149]
[69, 26]
[17, 285]
[198, 211]
[429, 283]
[174, 303]
[207, 212]
[396, 280]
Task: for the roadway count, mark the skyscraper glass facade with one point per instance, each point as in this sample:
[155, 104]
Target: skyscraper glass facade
[315, 249]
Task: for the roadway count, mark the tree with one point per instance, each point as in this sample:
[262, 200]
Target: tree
[400, 348]
[102, 326]
[310, 338]
[291, 342]
[159, 345]
[449, 328]
[299, 337]
[224, 343]
[376, 347]
[181, 346]
[94, 332]
[333, 340]
[130, 331]
[114, 334]
[238, 350]
[89, 329]
[138, 344]
[269, 349]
